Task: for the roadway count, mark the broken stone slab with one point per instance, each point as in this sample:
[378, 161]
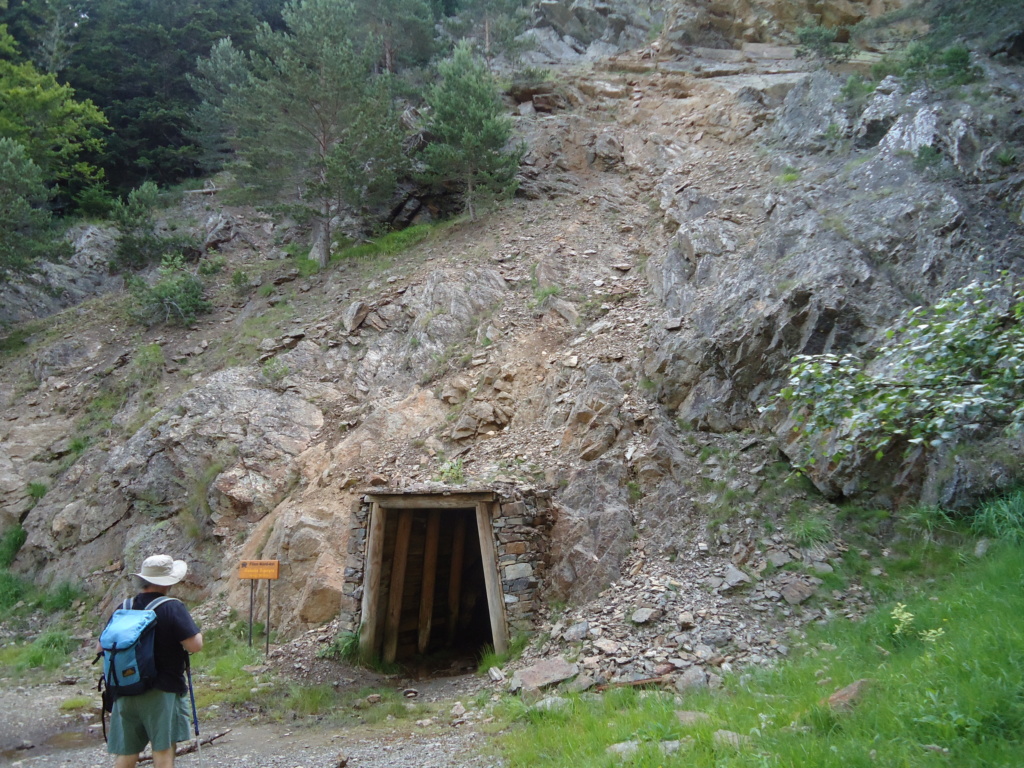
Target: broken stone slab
[645, 615]
[734, 577]
[693, 679]
[355, 314]
[796, 592]
[605, 645]
[547, 673]
[576, 632]
[580, 684]
[778, 558]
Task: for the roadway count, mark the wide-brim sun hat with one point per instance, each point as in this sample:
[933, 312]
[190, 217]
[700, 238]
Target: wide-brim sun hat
[162, 570]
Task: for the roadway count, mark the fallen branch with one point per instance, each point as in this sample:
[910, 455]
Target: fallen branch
[190, 747]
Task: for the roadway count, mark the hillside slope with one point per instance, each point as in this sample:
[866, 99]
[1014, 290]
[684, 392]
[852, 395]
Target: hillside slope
[684, 228]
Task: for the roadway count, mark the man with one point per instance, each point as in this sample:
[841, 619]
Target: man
[160, 716]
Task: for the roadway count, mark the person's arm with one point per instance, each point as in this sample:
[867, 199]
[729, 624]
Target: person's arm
[193, 644]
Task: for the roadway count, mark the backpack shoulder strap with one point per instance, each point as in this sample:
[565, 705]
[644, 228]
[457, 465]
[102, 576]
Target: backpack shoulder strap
[160, 601]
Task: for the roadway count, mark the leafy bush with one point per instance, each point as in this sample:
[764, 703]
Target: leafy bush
[176, 297]
[274, 370]
[942, 372]
[452, 472]
[212, 265]
[821, 42]
[923, 62]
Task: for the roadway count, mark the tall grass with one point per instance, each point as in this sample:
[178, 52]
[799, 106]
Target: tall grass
[388, 244]
[947, 689]
[1001, 518]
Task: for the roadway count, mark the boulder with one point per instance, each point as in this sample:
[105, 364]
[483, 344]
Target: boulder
[543, 674]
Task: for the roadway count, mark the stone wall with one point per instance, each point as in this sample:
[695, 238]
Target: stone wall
[521, 523]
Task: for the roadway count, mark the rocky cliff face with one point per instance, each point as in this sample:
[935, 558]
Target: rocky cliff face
[688, 222]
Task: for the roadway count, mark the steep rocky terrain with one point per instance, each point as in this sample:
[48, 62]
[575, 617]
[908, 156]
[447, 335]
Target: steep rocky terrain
[689, 219]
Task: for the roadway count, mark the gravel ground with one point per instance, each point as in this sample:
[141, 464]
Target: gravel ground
[274, 746]
[43, 735]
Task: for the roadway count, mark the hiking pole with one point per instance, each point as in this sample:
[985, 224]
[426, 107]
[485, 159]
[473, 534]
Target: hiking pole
[195, 715]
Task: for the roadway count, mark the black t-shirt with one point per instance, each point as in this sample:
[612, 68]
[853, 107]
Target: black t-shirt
[173, 624]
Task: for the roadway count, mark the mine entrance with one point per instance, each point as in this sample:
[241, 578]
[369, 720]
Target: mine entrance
[431, 589]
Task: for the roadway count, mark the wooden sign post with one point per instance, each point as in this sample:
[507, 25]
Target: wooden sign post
[259, 569]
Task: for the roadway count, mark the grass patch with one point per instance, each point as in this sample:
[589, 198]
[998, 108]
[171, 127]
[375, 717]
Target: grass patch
[489, 658]
[946, 665]
[78, 704]
[389, 244]
[48, 651]
[1001, 519]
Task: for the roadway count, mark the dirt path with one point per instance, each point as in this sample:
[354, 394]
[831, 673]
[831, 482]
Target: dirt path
[36, 733]
[276, 746]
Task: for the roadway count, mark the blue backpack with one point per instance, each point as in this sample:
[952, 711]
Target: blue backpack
[129, 667]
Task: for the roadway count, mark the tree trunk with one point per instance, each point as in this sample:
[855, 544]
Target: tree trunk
[320, 248]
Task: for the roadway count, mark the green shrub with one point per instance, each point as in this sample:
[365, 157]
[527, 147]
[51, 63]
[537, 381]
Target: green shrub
[274, 370]
[921, 62]
[240, 281]
[94, 202]
[942, 372]
[821, 43]
[344, 647]
[175, 298]
[212, 265]
[137, 244]
[452, 472]
[10, 543]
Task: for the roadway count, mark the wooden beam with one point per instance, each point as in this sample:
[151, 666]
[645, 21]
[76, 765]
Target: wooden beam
[369, 636]
[431, 501]
[492, 579]
[397, 586]
[455, 576]
[429, 579]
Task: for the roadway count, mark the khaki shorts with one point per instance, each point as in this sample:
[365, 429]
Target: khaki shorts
[155, 717]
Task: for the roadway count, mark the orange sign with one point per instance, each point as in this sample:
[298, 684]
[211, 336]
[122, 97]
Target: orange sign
[259, 569]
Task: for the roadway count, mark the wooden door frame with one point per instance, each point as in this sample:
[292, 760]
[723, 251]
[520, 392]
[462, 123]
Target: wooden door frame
[373, 618]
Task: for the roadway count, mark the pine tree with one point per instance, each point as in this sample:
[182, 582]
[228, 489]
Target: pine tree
[470, 132]
[310, 118]
[404, 30]
[25, 228]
